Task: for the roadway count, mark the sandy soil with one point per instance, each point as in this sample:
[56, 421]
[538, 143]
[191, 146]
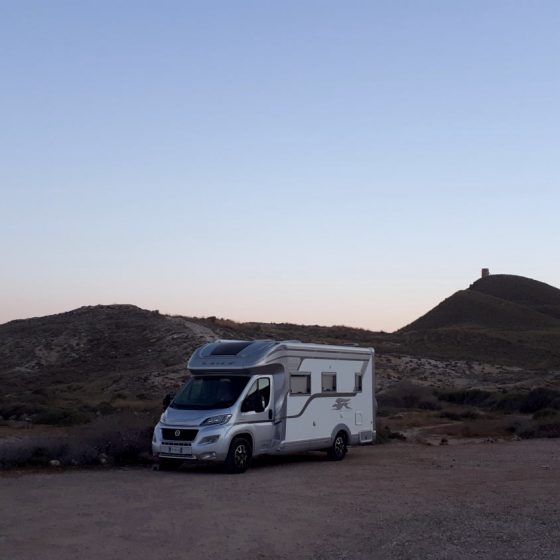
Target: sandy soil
[398, 501]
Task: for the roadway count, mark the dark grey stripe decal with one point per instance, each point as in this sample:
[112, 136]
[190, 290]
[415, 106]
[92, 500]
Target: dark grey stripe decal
[254, 422]
[319, 396]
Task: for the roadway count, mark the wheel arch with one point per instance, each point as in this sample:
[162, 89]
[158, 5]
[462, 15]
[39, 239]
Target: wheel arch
[341, 428]
[247, 435]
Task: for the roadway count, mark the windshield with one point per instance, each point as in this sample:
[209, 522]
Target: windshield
[210, 391]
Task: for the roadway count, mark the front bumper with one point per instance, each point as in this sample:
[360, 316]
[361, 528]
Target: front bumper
[194, 450]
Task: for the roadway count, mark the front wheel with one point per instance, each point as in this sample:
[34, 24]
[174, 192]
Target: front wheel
[338, 449]
[239, 456]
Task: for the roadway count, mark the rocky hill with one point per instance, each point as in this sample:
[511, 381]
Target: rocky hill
[501, 318]
[98, 359]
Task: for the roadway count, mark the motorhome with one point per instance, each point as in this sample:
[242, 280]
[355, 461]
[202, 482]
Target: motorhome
[243, 399]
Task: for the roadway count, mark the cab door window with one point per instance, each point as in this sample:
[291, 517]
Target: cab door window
[258, 397]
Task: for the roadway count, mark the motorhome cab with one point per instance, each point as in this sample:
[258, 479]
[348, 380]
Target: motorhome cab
[245, 399]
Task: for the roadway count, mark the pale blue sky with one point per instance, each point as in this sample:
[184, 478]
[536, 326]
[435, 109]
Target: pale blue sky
[306, 161]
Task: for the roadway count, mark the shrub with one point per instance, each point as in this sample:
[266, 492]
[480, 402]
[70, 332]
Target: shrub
[545, 413]
[59, 417]
[385, 435]
[530, 428]
[472, 397]
[408, 395]
[539, 399]
[469, 414]
[526, 403]
[450, 415]
[121, 440]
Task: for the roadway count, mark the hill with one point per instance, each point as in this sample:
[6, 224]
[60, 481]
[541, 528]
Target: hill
[95, 359]
[98, 359]
[501, 318]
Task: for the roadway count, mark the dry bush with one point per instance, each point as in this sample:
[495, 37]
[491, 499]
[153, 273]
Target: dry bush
[524, 402]
[386, 435]
[529, 428]
[118, 439]
[470, 397]
[408, 395]
[468, 414]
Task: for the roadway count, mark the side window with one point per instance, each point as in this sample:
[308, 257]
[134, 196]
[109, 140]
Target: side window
[328, 382]
[264, 391]
[300, 384]
[358, 383]
[258, 397]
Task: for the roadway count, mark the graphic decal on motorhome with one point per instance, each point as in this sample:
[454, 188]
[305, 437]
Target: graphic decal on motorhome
[341, 403]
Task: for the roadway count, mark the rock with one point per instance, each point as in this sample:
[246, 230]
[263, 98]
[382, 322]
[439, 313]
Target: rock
[443, 441]
[54, 463]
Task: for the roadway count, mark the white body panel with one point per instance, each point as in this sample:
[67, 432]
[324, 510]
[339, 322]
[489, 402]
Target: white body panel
[315, 418]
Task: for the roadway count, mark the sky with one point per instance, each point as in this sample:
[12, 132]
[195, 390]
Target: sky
[307, 161]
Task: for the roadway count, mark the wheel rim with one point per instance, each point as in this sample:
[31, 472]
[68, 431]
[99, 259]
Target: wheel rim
[339, 446]
[241, 456]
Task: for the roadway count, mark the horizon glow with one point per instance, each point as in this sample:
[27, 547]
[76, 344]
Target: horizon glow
[309, 162]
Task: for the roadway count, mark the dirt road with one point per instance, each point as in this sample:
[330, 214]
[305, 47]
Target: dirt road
[398, 501]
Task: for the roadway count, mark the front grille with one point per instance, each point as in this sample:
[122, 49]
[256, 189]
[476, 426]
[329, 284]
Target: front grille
[177, 434]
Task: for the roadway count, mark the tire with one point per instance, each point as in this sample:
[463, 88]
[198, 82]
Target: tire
[339, 447]
[239, 456]
[169, 464]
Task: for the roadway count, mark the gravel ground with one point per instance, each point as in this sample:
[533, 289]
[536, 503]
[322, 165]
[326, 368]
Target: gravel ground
[398, 501]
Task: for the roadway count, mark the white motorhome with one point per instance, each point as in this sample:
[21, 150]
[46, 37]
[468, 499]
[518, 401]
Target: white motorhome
[245, 399]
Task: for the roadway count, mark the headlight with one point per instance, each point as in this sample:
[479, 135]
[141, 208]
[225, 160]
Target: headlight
[209, 439]
[215, 420]
[163, 417]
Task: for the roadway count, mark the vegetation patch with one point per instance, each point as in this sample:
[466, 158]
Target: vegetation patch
[122, 439]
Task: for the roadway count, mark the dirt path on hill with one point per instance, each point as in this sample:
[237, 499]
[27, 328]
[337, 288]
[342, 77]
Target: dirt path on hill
[397, 501]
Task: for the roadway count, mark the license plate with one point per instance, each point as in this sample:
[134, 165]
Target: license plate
[177, 449]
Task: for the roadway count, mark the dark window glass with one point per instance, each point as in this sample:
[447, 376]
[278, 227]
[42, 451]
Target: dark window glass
[258, 396]
[229, 348]
[208, 392]
[358, 383]
[300, 384]
[328, 382]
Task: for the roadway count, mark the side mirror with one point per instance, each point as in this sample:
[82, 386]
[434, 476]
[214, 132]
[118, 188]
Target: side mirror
[167, 400]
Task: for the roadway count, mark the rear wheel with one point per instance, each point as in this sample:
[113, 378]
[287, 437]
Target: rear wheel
[339, 447]
[239, 456]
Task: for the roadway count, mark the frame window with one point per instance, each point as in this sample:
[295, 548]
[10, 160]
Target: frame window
[300, 384]
[328, 382]
[358, 383]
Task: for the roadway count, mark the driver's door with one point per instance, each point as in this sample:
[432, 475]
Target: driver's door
[258, 409]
